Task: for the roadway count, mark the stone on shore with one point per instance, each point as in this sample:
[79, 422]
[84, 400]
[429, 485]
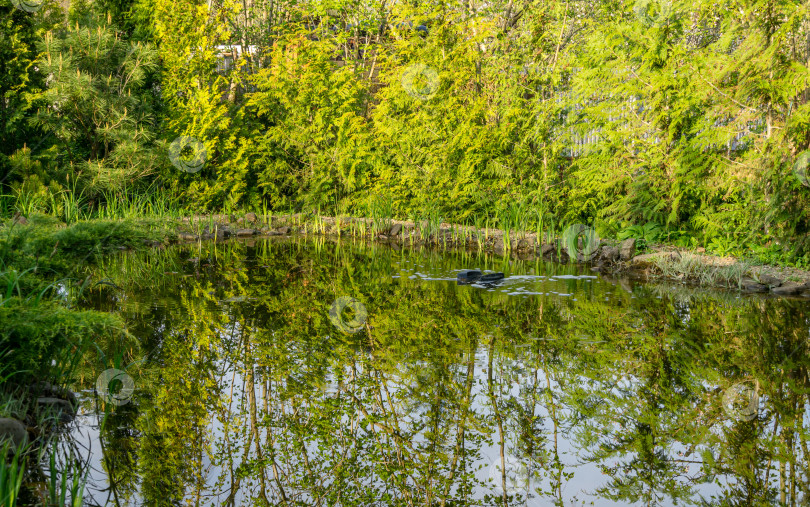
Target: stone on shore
[609, 254]
[58, 408]
[750, 285]
[770, 281]
[47, 390]
[627, 249]
[791, 289]
[13, 431]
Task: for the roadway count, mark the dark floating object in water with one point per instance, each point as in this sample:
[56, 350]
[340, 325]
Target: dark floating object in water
[491, 278]
[469, 276]
[474, 276]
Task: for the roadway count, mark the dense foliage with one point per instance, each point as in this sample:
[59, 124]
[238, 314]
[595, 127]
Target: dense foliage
[682, 118]
[43, 274]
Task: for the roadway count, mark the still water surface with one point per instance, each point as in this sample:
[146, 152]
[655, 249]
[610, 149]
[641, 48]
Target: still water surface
[554, 387]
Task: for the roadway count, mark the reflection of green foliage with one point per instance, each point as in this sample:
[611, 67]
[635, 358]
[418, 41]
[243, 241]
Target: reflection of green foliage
[246, 371]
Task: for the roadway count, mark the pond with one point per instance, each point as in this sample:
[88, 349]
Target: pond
[556, 386]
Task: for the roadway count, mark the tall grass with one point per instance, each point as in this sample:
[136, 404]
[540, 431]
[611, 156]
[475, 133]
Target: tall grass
[11, 405]
[267, 215]
[72, 206]
[11, 476]
[319, 224]
[478, 223]
[151, 202]
[539, 225]
[514, 218]
[27, 202]
[7, 205]
[60, 491]
[10, 283]
[338, 225]
[430, 223]
[381, 210]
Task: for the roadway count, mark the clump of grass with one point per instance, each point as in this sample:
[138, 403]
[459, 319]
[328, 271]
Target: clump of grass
[151, 202]
[73, 206]
[381, 210]
[513, 220]
[690, 268]
[196, 224]
[60, 491]
[338, 225]
[28, 202]
[733, 274]
[486, 230]
[430, 224]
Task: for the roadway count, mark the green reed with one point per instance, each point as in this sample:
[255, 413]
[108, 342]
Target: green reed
[11, 476]
[60, 491]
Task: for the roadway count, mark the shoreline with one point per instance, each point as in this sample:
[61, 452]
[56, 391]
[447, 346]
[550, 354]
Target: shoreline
[610, 257]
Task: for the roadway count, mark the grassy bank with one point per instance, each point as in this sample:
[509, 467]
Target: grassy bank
[44, 265]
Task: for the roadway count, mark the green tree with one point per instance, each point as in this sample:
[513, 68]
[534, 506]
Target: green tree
[97, 105]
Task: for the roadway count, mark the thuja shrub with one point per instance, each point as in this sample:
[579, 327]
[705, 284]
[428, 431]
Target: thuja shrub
[40, 337]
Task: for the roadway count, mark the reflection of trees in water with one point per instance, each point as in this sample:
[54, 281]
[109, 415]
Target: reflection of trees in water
[409, 410]
[430, 393]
